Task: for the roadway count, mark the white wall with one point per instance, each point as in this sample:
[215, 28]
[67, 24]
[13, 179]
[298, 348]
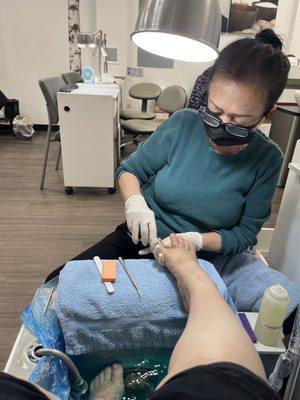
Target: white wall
[286, 24]
[88, 23]
[33, 45]
[112, 17]
[294, 39]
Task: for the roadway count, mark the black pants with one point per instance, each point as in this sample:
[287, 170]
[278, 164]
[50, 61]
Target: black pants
[116, 244]
[219, 381]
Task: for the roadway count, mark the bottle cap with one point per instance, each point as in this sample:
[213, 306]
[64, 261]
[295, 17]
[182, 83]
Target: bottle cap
[279, 292]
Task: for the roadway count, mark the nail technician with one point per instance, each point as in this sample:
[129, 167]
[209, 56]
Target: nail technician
[211, 175]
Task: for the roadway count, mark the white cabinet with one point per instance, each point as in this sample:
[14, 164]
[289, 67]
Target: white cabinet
[284, 249]
[89, 129]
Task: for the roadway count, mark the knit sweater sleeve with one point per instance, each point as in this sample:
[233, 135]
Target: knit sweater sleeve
[153, 154]
[257, 210]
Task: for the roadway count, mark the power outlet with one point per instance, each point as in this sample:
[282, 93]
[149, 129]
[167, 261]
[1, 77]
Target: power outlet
[139, 72]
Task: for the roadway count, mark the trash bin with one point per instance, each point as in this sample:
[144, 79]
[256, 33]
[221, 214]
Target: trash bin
[285, 131]
[11, 109]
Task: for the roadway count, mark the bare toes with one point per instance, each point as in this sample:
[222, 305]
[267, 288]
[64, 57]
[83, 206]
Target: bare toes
[107, 373]
[174, 240]
[117, 372]
[180, 241]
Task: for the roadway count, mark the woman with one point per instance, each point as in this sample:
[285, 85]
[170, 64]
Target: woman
[211, 175]
[204, 363]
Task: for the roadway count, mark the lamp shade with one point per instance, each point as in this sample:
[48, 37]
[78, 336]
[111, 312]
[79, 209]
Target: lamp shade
[187, 30]
[86, 39]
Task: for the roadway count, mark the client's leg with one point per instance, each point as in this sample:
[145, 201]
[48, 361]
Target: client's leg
[213, 333]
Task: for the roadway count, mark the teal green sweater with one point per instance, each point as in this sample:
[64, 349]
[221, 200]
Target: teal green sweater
[190, 187]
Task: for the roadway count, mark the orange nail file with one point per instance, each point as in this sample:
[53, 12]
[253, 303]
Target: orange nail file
[109, 272]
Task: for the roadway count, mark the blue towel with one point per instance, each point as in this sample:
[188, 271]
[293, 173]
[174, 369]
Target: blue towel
[93, 320]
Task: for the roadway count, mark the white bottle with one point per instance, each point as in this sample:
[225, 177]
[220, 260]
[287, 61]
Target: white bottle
[271, 315]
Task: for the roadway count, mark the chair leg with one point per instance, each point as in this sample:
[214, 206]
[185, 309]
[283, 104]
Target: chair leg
[144, 105]
[58, 157]
[46, 156]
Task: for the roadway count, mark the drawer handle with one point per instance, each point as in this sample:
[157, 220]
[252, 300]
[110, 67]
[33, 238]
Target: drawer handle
[67, 108]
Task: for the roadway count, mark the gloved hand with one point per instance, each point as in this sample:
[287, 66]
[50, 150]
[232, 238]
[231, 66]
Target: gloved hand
[193, 237]
[140, 219]
[154, 248]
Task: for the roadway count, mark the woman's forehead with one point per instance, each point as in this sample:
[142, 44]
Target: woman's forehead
[236, 98]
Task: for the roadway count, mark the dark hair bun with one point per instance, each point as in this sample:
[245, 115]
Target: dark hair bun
[267, 36]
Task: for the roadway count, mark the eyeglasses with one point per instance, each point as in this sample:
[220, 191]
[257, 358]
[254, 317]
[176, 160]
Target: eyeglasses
[236, 130]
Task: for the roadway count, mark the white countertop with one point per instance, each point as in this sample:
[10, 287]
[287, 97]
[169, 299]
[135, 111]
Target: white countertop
[261, 348]
[111, 89]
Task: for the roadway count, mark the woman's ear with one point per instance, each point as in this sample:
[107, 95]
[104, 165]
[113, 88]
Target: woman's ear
[273, 108]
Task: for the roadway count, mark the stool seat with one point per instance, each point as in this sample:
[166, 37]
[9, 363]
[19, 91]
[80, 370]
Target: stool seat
[133, 114]
[139, 126]
[145, 91]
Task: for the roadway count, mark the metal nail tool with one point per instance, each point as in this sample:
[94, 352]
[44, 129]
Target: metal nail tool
[129, 234]
[108, 285]
[132, 280]
[48, 300]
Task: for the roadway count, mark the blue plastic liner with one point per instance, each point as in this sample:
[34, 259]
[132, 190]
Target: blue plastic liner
[50, 372]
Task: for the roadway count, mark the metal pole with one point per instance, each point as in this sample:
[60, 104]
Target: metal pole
[99, 44]
[294, 348]
[288, 393]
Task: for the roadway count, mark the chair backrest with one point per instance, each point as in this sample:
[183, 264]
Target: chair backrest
[49, 88]
[147, 91]
[71, 78]
[172, 98]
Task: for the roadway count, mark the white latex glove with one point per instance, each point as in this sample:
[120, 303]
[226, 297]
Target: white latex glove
[140, 219]
[154, 248]
[193, 237]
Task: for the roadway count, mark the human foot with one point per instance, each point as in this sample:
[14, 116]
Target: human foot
[176, 253]
[108, 385]
[180, 259]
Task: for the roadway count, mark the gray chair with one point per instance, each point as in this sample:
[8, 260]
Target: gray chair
[71, 78]
[49, 88]
[144, 92]
[171, 99]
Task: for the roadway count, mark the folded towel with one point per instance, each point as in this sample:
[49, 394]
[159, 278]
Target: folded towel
[93, 320]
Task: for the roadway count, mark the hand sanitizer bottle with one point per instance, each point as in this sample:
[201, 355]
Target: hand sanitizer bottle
[271, 315]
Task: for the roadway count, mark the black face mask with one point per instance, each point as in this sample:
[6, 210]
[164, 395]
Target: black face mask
[221, 137]
[227, 134]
